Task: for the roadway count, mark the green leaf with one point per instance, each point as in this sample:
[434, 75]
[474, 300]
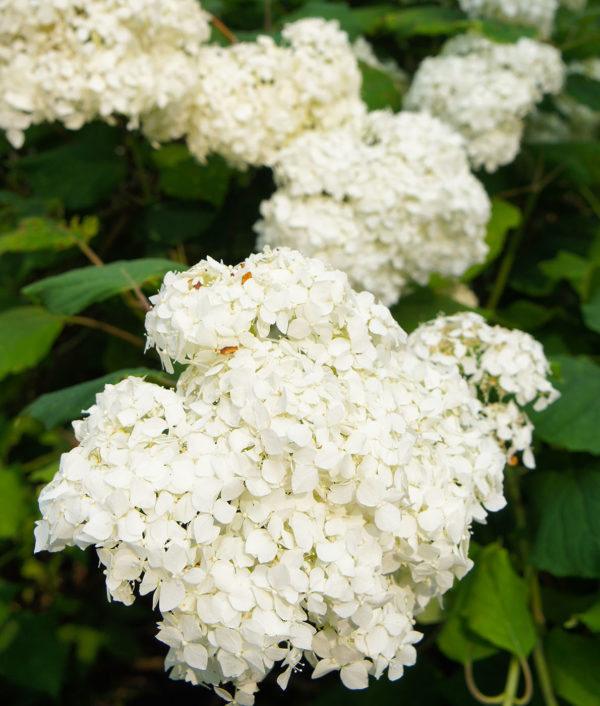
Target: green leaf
[525, 315]
[80, 173]
[566, 522]
[26, 335]
[573, 661]
[378, 89]
[584, 89]
[571, 422]
[172, 222]
[354, 21]
[35, 658]
[567, 265]
[504, 217]
[591, 617]
[456, 640]
[182, 177]
[12, 502]
[423, 305]
[578, 160]
[504, 32]
[591, 312]
[429, 20]
[497, 608]
[73, 291]
[55, 408]
[45, 234]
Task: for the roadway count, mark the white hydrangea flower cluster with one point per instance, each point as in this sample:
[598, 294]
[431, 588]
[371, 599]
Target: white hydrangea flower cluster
[505, 369]
[77, 61]
[485, 90]
[251, 98]
[389, 204]
[534, 13]
[303, 492]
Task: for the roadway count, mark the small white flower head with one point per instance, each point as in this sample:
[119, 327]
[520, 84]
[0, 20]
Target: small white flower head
[305, 490]
[77, 61]
[506, 369]
[251, 98]
[484, 90]
[533, 13]
[388, 204]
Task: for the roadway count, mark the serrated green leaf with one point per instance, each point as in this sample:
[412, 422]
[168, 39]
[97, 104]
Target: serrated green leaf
[55, 408]
[497, 608]
[584, 89]
[429, 20]
[182, 177]
[26, 335]
[37, 233]
[573, 661]
[566, 522]
[73, 291]
[504, 217]
[378, 89]
[571, 422]
[354, 21]
[80, 173]
[12, 502]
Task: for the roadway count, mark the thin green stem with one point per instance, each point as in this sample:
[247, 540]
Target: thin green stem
[511, 251]
[543, 674]
[512, 682]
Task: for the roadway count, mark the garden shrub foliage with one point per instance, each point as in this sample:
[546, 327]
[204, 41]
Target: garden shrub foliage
[298, 483]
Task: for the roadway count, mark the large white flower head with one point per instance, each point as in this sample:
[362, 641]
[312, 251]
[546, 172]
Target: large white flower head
[304, 491]
[388, 204]
[534, 13]
[77, 61]
[506, 369]
[251, 98]
[485, 90]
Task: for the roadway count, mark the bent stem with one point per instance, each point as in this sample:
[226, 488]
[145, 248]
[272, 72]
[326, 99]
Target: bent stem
[223, 29]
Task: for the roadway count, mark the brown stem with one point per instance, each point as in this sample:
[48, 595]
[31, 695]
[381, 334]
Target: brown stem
[107, 328]
[224, 30]
[89, 253]
[474, 691]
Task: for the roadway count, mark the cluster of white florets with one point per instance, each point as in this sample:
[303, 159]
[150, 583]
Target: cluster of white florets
[252, 98]
[505, 369]
[77, 61]
[304, 491]
[485, 89]
[388, 204]
[534, 13]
